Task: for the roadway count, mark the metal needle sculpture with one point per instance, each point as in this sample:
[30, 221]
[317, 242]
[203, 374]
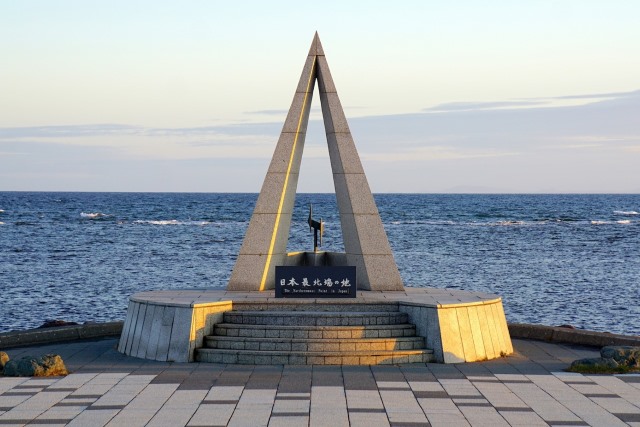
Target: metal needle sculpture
[315, 226]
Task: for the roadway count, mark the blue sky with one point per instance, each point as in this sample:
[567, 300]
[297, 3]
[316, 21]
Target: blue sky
[532, 96]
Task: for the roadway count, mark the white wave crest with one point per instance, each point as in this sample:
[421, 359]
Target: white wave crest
[1, 223]
[1, 210]
[170, 222]
[93, 215]
[599, 222]
[626, 213]
[508, 223]
[624, 221]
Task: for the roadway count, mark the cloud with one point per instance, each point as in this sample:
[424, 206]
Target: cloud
[503, 147]
[466, 106]
[526, 102]
[600, 95]
[267, 112]
[421, 154]
[68, 131]
[278, 112]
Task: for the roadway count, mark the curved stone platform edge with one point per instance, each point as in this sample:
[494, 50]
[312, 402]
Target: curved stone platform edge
[561, 335]
[459, 326]
[59, 333]
[551, 334]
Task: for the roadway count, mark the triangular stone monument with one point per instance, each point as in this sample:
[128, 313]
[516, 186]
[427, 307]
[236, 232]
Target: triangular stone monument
[365, 241]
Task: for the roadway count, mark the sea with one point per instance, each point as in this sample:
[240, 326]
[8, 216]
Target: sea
[555, 259]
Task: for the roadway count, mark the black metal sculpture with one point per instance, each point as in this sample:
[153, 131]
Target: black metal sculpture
[315, 226]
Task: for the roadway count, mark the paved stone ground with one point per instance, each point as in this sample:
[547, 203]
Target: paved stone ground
[528, 389]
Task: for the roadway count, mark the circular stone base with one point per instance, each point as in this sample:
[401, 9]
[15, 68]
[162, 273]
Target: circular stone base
[459, 326]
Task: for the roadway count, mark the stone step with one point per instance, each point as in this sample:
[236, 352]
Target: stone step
[370, 357]
[300, 344]
[315, 318]
[314, 332]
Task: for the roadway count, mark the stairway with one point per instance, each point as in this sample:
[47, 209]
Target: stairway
[314, 338]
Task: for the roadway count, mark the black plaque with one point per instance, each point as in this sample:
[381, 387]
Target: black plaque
[315, 282]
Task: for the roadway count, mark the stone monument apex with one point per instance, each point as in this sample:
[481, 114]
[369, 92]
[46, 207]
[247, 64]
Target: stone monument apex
[365, 240]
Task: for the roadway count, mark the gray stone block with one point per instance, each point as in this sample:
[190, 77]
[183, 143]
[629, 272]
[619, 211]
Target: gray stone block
[260, 233]
[271, 196]
[316, 46]
[156, 332]
[325, 80]
[252, 345]
[354, 195]
[369, 232]
[333, 114]
[180, 336]
[298, 116]
[287, 155]
[248, 272]
[307, 80]
[343, 154]
[376, 272]
[162, 350]
[140, 316]
[122, 343]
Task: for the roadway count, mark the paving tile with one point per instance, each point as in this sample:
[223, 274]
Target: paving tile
[288, 421]
[42, 401]
[621, 388]
[499, 394]
[152, 397]
[94, 418]
[256, 397]
[253, 415]
[393, 385]
[212, 415]
[328, 406]
[438, 406]
[525, 389]
[61, 413]
[132, 417]
[363, 399]
[483, 416]
[542, 403]
[181, 399]
[522, 418]
[446, 419]
[425, 386]
[616, 405]
[16, 414]
[174, 416]
[291, 406]
[224, 393]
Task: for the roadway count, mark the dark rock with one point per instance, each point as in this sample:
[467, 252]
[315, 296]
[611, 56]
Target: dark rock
[623, 354]
[55, 323]
[567, 326]
[49, 365]
[4, 358]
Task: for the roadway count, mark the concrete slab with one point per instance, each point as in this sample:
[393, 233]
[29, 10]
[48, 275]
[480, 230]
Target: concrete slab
[113, 394]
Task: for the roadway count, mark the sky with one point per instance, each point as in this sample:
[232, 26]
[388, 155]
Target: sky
[467, 96]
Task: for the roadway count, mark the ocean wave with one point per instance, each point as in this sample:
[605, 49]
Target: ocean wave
[626, 213]
[1, 223]
[170, 222]
[622, 222]
[1, 210]
[510, 222]
[93, 215]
